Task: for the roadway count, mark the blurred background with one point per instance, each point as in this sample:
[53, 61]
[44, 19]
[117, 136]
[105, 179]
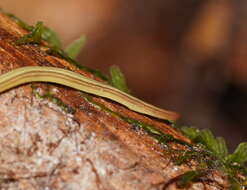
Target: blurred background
[188, 56]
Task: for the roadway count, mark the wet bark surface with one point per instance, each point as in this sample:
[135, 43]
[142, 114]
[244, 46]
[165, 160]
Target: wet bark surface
[75, 144]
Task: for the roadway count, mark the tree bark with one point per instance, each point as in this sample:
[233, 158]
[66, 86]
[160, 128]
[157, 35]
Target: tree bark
[62, 141]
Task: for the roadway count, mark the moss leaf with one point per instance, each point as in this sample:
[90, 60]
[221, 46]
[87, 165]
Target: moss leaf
[51, 37]
[239, 156]
[191, 132]
[34, 37]
[75, 47]
[187, 178]
[118, 79]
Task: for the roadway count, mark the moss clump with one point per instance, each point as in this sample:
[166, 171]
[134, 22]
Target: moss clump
[35, 37]
[231, 164]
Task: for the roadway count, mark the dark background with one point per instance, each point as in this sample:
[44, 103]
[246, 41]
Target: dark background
[188, 56]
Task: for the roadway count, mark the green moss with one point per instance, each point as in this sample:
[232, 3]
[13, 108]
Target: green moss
[180, 157]
[205, 137]
[118, 79]
[232, 164]
[75, 47]
[35, 37]
[189, 177]
[47, 34]
[239, 157]
[235, 184]
[50, 97]
[151, 130]
[209, 152]
[51, 37]
[158, 135]
[40, 32]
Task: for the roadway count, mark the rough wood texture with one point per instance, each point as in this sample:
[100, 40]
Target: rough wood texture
[44, 147]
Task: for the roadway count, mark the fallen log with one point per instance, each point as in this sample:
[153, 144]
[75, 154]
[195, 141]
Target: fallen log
[55, 137]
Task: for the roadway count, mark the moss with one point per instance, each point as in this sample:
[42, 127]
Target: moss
[118, 80]
[151, 130]
[208, 152]
[48, 96]
[74, 49]
[189, 177]
[40, 32]
[231, 164]
[35, 37]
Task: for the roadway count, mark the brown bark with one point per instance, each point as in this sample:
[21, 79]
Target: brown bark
[45, 147]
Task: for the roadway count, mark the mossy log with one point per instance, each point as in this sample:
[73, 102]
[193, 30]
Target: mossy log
[53, 137]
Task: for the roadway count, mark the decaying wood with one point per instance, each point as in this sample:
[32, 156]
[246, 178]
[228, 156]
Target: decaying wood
[44, 147]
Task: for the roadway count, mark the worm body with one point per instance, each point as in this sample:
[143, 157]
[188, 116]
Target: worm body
[74, 80]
